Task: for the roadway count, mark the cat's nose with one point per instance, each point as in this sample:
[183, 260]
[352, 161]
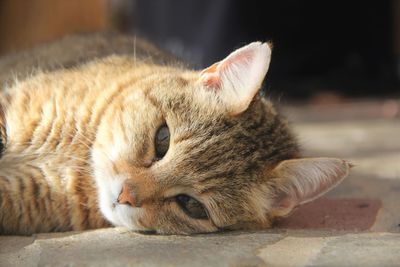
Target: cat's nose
[128, 196]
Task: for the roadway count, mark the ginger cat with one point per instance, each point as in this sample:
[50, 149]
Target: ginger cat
[131, 140]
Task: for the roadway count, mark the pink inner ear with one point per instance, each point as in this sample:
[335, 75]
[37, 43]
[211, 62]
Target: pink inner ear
[210, 77]
[243, 56]
[213, 75]
[211, 69]
[308, 187]
[303, 180]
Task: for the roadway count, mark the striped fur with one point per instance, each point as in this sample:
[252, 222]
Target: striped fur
[73, 135]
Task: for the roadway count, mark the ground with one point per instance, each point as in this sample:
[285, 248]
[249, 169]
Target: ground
[356, 224]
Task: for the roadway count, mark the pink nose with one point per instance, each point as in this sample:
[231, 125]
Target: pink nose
[128, 197]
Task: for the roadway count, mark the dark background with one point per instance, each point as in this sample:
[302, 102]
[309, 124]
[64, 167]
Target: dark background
[340, 48]
[323, 50]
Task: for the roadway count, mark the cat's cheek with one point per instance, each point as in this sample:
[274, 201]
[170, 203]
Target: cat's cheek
[107, 196]
[108, 189]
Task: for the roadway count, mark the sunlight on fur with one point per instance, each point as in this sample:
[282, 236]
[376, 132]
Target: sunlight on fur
[149, 145]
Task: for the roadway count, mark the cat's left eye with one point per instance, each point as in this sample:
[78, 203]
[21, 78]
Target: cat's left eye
[191, 207]
[161, 141]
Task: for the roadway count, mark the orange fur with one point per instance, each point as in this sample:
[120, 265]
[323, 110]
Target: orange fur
[74, 136]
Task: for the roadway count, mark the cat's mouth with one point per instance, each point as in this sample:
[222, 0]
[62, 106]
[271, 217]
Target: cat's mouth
[127, 216]
[126, 212]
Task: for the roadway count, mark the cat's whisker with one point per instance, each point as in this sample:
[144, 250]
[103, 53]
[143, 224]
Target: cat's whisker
[90, 146]
[81, 141]
[87, 138]
[41, 154]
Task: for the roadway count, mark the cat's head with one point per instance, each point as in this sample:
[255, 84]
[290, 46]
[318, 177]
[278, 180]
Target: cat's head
[187, 152]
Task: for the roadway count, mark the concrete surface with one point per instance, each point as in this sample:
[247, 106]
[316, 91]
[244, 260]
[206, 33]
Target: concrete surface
[356, 224]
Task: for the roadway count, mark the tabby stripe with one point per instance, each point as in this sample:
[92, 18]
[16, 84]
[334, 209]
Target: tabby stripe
[44, 198]
[2, 209]
[18, 204]
[35, 201]
[83, 123]
[82, 201]
[217, 176]
[53, 132]
[66, 137]
[65, 118]
[4, 187]
[26, 202]
[106, 100]
[43, 129]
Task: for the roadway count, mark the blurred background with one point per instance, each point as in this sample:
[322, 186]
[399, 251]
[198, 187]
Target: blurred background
[324, 51]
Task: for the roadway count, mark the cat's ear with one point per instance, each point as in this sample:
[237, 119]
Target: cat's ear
[299, 181]
[237, 78]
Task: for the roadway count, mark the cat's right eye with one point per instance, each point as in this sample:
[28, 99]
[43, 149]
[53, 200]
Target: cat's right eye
[191, 207]
[161, 141]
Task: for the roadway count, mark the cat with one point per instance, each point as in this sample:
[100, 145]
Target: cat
[133, 138]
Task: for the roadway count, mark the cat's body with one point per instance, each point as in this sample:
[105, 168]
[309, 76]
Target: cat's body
[80, 151]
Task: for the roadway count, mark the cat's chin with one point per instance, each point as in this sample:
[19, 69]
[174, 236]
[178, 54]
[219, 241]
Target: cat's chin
[123, 215]
[127, 216]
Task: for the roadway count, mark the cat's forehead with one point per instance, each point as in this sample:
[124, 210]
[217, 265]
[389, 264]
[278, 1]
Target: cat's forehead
[226, 145]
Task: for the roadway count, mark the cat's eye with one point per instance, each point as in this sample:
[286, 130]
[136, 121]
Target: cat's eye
[161, 141]
[191, 207]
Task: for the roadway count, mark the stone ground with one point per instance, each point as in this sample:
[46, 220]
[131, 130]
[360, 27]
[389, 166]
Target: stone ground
[356, 224]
